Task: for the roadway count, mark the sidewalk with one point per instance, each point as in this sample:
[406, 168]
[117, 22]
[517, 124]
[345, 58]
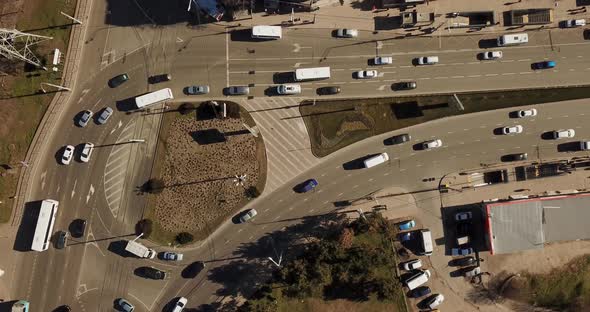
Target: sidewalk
[359, 15]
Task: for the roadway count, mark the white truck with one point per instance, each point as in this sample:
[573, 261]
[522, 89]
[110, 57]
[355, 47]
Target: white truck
[140, 250]
[154, 97]
[314, 73]
[418, 279]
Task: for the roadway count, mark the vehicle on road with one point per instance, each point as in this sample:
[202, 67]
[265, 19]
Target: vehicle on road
[463, 261]
[461, 251]
[308, 185]
[86, 152]
[463, 216]
[417, 279]
[313, 73]
[172, 256]
[404, 85]
[67, 155]
[573, 23]
[426, 247]
[85, 118]
[366, 74]
[104, 116]
[62, 308]
[432, 144]
[585, 145]
[154, 97]
[118, 80]
[398, 139]
[563, 134]
[267, 32]
[152, 273]
[124, 305]
[78, 228]
[249, 215]
[329, 90]
[491, 55]
[159, 78]
[19, 306]
[406, 237]
[61, 239]
[45, 223]
[435, 301]
[289, 89]
[412, 264]
[406, 225]
[527, 113]
[515, 157]
[471, 271]
[383, 60]
[180, 304]
[420, 292]
[543, 65]
[238, 90]
[512, 39]
[347, 33]
[140, 250]
[427, 60]
[196, 90]
[376, 160]
[512, 129]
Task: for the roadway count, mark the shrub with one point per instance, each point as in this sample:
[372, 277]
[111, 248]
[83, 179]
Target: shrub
[155, 186]
[252, 192]
[144, 226]
[186, 108]
[184, 238]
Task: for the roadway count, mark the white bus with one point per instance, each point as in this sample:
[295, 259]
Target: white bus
[267, 32]
[314, 73]
[153, 97]
[45, 223]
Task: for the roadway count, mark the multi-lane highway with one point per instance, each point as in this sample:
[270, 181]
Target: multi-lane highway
[89, 277]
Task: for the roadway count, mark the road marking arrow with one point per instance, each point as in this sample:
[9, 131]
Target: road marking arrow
[381, 87]
[298, 47]
[43, 179]
[90, 193]
[74, 189]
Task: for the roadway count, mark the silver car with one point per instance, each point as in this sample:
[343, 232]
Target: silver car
[125, 305]
[238, 90]
[83, 121]
[347, 33]
[195, 90]
[105, 115]
[249, 215]
[432, 144]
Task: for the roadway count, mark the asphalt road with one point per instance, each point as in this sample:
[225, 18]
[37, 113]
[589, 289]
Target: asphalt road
[89, 277]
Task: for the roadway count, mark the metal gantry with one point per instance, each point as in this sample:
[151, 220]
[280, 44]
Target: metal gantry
[17, 44]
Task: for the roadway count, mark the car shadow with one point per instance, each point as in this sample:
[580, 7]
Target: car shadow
[283, 77]
[192, 270]
[498, 131]
[271, 91]
[547, 135]
[569, 147]
[487, 43]
[513, 115]
[418, 146]
[125, 105]
[118, 247]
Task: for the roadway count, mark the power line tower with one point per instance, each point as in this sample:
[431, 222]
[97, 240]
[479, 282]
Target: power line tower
[16, 44]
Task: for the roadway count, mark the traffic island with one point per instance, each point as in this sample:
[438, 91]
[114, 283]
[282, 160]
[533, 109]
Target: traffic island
[206, 168]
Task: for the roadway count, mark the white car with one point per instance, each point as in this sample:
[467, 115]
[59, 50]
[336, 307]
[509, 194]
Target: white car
[492, 55]
[86, 152]
[366, 74]
[347, 33]
[248, 215]
[427, 60]
[435, 301]
[383, 60]
[432, 144]
[527, 113]
[180, 304]
[412, 265]
[561, 134]
[585, 145]
[574, 23]
[462, 216]
[66, 157]
[289, 89]
[512, 129]
[85, 118]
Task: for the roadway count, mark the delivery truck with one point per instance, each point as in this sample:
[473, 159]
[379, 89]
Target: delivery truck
[140, 250]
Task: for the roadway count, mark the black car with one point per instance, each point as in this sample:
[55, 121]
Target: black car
[62, 237]
[153, 273]
[159, 78]
[329, 90]
[463, 261]
[118, 80]
[63, 308]
[515, 157]
[420, 292]
[404, 85]
[398, 139]
[78, 228]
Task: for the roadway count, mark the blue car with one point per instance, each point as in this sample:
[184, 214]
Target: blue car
[308, 185]
[420, 292]
[544, 65]
[404, 226]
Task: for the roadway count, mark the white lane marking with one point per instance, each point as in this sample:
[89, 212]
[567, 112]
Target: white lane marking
[74, 189]
[90, 193]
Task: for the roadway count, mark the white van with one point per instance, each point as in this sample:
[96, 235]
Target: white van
[426, 243]
[418, 279]
[513, 39]
[376, 160]
[267, 32]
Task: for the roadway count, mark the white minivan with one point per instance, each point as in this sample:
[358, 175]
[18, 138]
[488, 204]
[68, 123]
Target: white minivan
[513, 39]
[376, 160]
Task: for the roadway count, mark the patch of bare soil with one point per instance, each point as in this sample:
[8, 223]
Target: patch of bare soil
[201, 162]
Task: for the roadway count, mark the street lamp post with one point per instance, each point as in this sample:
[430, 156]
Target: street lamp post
[60, 88]
[137, 140]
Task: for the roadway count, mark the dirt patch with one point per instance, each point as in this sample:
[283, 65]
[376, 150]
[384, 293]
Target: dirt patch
[200, 160]
[334, 124]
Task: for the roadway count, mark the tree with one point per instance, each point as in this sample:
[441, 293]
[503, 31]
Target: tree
[346, 238]
[154, 186]
[186, 108]
[144, 226]
[252, 192]
[184, 238]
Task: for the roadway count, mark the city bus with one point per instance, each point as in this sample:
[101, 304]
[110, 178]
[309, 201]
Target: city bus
[45, 223]
[314, 73]
[153, 97]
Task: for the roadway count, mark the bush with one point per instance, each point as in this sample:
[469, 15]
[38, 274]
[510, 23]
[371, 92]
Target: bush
[252, 192]
[154, 186]
[186, 108]
[144, 226]
[184, 238]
